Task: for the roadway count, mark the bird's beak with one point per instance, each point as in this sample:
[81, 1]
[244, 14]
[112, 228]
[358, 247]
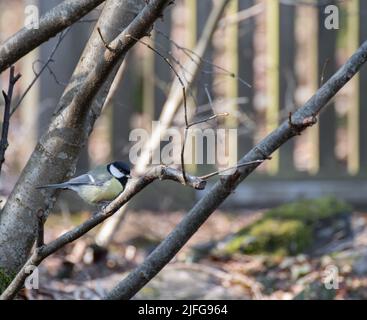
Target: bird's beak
[128, 176]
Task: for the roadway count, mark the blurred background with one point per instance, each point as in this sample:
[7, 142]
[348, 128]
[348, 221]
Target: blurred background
[284, 51]
[281, 48]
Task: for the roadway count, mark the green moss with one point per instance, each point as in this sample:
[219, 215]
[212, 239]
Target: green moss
[5, 279]
[310, 211]
[273, 236]
[287, 229]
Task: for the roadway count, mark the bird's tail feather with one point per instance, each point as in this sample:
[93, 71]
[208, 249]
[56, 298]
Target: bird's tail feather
[53, 186]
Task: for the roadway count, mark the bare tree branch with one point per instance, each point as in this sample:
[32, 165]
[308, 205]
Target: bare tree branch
[192, 221]
[43, 251]
[56, 20]
[55, 156]
[5, 129]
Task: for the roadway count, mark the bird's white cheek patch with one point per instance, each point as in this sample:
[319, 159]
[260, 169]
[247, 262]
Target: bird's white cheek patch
[116, 172]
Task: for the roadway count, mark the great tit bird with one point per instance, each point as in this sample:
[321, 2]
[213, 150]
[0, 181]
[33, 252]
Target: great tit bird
[100, 185]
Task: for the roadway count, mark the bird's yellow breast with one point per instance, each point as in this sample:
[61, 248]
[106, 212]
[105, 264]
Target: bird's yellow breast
[107, 192]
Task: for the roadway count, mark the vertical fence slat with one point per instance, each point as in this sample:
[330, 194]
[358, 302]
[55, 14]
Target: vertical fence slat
[231, 43]
[246, 72]
[272, 112]
[327, 122]
[148, 82]
[204, 79]
[29, 109]
[287, 80]
[313, 132]
[124, 104]
[354, 105]
[192, 23]
[204, 8]
[162, 72]
[191, 38]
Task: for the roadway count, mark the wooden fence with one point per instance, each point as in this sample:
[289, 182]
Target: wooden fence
[285, 52]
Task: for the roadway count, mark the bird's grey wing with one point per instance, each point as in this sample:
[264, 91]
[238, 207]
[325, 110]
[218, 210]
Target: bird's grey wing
[85, 179]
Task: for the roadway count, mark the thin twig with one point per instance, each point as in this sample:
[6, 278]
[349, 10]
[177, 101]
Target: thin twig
[240, 165]
[191, 53]
[51, 72]
[183, 68]
[184, 98]
[214, 116]
[107, 46]
[322, 78]
[38, 74]
[6, 119]
[187, 124]
[210, 100]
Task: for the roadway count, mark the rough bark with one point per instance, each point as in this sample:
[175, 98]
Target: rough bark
[303, 118]
[55, 155]
[56, 20]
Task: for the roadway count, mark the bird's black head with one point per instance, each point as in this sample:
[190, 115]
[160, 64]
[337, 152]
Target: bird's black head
[120, 170]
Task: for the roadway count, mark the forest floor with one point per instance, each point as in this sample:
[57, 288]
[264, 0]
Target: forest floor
[80, 271]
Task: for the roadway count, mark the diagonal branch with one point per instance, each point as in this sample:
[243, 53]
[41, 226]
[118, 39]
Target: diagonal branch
[54, 21]
[5, 130]
[43, 251]
[168, 248]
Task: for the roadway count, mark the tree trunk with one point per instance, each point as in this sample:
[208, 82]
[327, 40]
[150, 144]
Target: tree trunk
[54, 158]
